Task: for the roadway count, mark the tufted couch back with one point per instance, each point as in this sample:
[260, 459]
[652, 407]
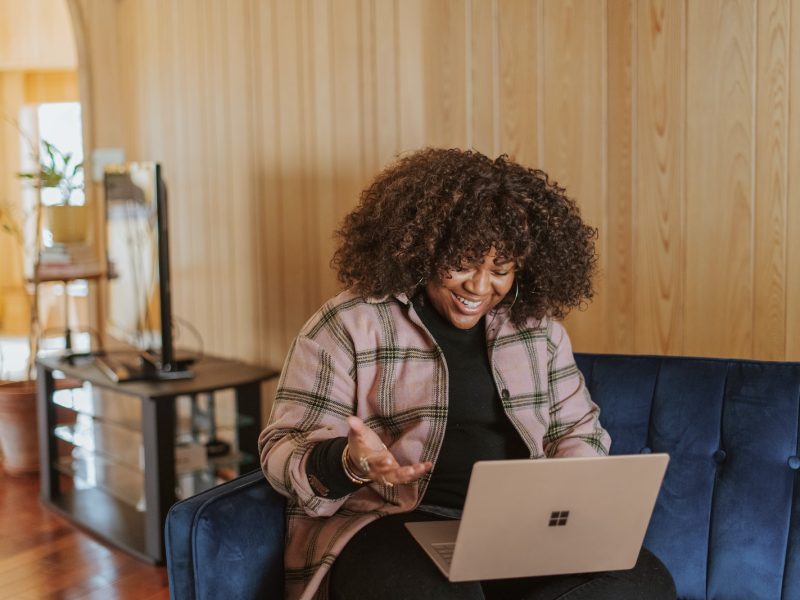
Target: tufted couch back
[726, 523]
[727, 520]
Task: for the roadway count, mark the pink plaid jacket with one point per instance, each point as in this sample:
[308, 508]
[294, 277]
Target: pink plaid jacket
[375, 359]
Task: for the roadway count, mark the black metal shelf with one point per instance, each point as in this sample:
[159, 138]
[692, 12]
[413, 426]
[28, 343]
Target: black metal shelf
[123, 494]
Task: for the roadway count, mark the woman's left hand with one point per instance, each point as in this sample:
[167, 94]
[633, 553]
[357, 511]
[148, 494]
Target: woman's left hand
[371, 459]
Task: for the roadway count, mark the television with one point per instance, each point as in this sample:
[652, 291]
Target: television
[139, 307]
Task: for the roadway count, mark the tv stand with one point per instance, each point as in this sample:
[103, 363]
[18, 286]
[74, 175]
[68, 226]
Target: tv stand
[120, 481]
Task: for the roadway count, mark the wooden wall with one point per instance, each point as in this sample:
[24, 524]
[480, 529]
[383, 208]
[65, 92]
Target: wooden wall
[674, 124]
[36, 34]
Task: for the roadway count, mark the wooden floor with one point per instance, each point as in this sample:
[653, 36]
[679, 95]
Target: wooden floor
[43, 557]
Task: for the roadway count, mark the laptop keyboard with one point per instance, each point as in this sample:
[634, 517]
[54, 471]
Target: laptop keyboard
[445, 550]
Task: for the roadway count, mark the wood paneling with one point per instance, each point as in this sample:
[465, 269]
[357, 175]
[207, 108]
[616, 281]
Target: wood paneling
[483, 89]
[575, 133]
[518, 35]
[659, 171]
[772, 172]
[720, 168]
[36, 34]
[672, 123]
[793, 204]
[618, 291]
[448, 55]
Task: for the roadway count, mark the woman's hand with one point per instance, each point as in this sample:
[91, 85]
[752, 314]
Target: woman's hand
[365, 449]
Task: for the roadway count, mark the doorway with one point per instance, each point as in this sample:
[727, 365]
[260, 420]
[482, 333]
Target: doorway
[39, 101]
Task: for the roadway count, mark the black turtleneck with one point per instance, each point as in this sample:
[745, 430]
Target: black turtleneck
[477, 427]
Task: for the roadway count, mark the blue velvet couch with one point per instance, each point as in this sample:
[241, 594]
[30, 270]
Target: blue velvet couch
[726, 523]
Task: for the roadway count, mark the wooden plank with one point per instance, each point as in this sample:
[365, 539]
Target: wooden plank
[574, 117]
[793, 208]
[323, 150]
[203, 155]
[127, 25]
[242, 302]
[367, 83]
[104, 81]
[212, 197]
[445, 74]
[190, 88]
[771, 201]
[162, 39]
[43, 556]
[659, 204]
[411, 80]
[386, 81]
[518, 40]
[483, 87]
[619, 292]
[181, 250]
[267, 224]
[348, 160]
[299, 269]
[720, 183]
[149, 99]
[311, 203]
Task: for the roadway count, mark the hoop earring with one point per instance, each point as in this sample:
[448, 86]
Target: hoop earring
[516, 294]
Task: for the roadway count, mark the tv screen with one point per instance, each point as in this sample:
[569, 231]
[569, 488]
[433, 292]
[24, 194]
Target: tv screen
[133, 309]
[139, 308]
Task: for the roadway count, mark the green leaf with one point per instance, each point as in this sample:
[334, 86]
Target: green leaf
[51, 150]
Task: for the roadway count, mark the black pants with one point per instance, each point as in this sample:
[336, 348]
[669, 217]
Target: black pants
[384, 562]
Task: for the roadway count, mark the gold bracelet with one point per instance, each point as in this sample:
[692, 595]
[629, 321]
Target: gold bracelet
[351, 475]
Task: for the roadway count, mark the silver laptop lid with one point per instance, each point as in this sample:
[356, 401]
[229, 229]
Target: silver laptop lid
[525, 518]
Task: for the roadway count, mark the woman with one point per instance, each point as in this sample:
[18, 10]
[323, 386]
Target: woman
[445, 349]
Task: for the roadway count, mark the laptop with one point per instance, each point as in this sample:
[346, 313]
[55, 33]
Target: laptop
[526, 518]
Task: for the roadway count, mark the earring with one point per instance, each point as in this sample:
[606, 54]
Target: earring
[516, 294]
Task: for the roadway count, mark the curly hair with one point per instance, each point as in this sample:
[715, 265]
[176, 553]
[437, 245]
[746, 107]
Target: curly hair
[438, 209]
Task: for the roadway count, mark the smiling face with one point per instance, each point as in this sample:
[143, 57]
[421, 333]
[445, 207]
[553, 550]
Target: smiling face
[464, 296]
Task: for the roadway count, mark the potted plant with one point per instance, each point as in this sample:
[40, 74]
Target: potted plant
[66, 222]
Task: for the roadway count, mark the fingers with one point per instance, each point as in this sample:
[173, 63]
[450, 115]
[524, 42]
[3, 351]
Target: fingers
[396, 474]
[375, 461]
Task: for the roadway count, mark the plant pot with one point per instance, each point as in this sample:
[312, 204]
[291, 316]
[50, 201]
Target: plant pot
[66, 223]
[18, 428]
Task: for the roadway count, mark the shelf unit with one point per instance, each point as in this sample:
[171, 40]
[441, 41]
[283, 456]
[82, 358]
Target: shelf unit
[115, 457]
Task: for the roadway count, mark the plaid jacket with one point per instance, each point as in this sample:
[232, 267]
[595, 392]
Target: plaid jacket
[374, 358]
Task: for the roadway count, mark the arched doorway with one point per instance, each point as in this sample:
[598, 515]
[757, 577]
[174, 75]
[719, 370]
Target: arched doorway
[40, 99]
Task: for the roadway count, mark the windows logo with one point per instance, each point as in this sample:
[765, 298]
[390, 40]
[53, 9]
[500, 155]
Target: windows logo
[559, 518]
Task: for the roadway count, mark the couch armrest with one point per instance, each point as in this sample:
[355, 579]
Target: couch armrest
[227, 542]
